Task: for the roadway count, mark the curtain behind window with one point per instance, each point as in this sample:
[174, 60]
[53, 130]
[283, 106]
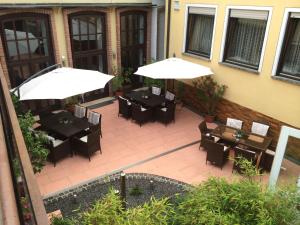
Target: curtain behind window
[291, 61]
[200, 31]
[246, 41]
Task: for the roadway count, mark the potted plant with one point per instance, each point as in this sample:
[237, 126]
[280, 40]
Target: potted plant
[149, 82]
[121, 78]
[210, 93]
[71, 102]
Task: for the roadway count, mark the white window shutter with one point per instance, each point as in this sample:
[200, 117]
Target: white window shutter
[249, 14]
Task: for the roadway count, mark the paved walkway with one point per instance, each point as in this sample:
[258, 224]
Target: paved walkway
[126, 143]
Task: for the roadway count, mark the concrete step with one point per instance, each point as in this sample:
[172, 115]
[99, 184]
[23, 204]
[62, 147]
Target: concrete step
[98, 102]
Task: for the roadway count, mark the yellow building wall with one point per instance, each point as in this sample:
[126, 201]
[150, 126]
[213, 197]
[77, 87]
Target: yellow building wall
[274, 98]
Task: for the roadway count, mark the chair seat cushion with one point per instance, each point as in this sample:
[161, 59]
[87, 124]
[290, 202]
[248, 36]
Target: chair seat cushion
[225, 148]
[270, 152]
[84, 139]
[128, 103]
[57, 142]
[164, 109]
[143, 109]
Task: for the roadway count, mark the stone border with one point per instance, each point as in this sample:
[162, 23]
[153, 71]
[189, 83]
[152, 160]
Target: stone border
[107, 179]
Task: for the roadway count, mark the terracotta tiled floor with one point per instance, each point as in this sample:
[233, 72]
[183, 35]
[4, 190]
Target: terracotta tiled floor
[124, 142]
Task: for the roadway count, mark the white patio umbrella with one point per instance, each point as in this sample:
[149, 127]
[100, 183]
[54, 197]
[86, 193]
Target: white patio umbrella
[173, 68]
[62, 83]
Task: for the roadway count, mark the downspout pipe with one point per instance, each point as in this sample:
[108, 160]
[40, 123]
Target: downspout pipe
[168, 28]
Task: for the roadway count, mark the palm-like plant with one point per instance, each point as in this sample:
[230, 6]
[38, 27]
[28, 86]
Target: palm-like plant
[210, 93]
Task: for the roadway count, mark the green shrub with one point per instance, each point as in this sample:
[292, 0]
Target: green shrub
[62, 221]
[149, 82]
[35, 142]
[107, 211]
[155, 211]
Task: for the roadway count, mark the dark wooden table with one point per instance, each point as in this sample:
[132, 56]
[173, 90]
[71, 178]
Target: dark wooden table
[150, 100]
[65, 124]
[256, 142]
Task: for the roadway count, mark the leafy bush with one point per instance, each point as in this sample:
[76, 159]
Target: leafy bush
[62, 221]
[105, 212]
[149, 82]
[153, 212]
[35, 142]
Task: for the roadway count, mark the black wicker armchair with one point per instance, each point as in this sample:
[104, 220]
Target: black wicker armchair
[88, 144]
[58, 149]
[217, 153]
[166, 114]
[124, 107]
[205, 133]
[140, 114]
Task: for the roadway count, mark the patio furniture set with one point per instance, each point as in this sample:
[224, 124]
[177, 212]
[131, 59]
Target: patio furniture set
[69, 134]
[251, 145]
[142, 106]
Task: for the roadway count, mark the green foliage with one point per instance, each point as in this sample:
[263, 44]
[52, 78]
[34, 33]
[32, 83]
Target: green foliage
[149, 82]
[249, 170]
[107, 211]
[62, 221]
[122, 76]
[17, 104]
[210, 92]
[135, 191]
[35, 142]
[243, 202]
[153, 212]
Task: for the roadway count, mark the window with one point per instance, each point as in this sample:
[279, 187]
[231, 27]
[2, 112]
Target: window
[27, 44]
[199, 33]
[289, 61]
[245, 37]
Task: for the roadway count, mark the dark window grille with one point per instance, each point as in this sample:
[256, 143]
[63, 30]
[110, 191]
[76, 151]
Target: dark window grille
[244, 42]
[199, 34]
[289, 61]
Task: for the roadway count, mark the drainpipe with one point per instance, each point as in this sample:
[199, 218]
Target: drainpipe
[168, 28]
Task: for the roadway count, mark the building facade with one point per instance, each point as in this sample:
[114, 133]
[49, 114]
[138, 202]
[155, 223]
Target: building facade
[96, 35]
[252, 47]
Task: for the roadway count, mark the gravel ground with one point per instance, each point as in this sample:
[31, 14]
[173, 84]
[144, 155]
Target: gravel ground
[79, 199]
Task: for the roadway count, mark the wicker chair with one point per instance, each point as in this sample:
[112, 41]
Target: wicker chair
[124, 107]
[88, 144]
[140, 114]
[245, 153]
[166, 114]
[94, 119]
[217, 153]
[205, 133]
[58, 149]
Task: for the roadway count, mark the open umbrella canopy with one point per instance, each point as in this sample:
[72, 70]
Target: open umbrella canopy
[173, 68]
[62, 83]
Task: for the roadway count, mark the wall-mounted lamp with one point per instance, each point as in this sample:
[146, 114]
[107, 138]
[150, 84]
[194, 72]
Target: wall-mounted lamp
[176, 5]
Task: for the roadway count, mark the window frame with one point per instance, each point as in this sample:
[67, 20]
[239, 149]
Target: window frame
[280, 44]
[225, 34]
[184, 44]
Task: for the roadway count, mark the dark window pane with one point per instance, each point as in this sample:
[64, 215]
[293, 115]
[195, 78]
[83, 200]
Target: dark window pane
[245, 41]
[75, 27]
[34, 47]
[23, 48]
[92, 25]
[123, 38]
[99, 41]
[83, 26]
[199, 34]
[20, 28]
[32, 28]
[141, 36]
[84, 42]
[12, 50]
[100, 22]
[141, 22]
[123, 23]
[291, 59]
[43, 29]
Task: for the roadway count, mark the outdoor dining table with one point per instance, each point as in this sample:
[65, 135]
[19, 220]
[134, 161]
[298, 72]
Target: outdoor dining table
[65, 124]
[255, 142]
[146, 98]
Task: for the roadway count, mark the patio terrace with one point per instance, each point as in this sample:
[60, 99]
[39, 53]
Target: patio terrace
[125, 144]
